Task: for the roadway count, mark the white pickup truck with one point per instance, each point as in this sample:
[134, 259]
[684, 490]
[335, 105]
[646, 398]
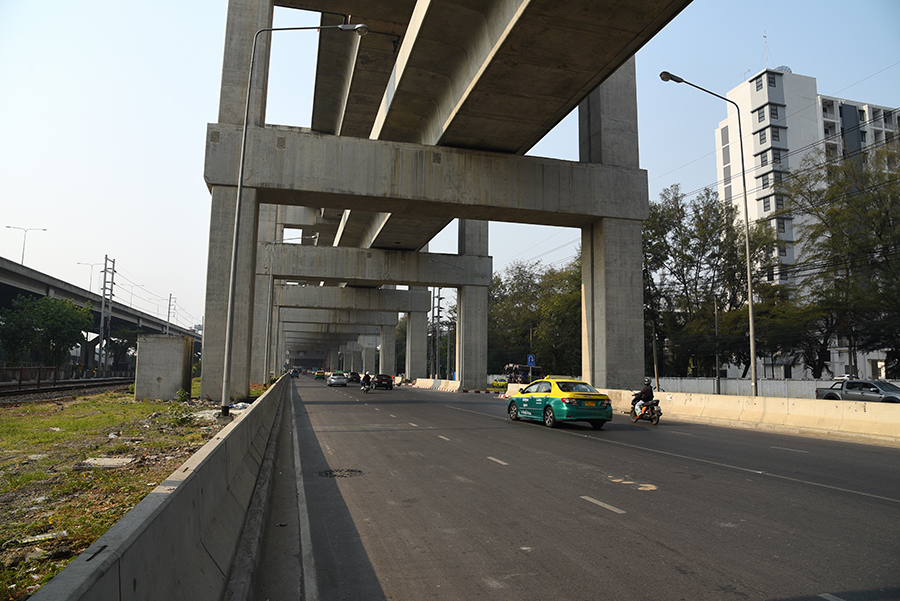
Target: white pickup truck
[872, 391]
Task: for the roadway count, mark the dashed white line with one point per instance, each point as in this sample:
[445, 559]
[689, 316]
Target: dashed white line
[495, 460]
[603, 505]
[793, 451]
[413, 425]
[443, 438]
[830, 597]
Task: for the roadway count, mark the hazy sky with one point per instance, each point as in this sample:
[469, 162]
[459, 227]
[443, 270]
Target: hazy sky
[105, 106]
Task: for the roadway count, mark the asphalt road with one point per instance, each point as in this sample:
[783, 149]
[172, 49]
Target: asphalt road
[411, 495]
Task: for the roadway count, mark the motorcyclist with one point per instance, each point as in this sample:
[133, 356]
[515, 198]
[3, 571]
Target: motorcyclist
[643, 397]
[364, 383]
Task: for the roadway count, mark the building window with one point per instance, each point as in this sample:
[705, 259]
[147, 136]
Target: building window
[726, 155]
[759, 83]
[762, 137]
[777, 176]
[725, 136]
[776, 156]
[728, 193]
[761, 114]
[779, 203]
[773, 112]
[770, 273]
[780, 226]
[765, 181]
[771, 80]
[764, 159]
[776, 135]
[782, 251]
[726, 172]
[767, 206]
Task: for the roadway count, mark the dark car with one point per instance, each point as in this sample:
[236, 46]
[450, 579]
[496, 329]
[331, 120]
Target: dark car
[383, 381]
[353, 377]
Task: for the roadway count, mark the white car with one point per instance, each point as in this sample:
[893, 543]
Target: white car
[338, 378]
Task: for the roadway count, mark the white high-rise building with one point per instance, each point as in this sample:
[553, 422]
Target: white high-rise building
[783, 118]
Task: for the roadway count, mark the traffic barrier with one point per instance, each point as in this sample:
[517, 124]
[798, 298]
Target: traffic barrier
[849, 420]
[180, 541]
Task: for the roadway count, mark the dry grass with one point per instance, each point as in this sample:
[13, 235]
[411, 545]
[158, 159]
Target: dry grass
[41, 492]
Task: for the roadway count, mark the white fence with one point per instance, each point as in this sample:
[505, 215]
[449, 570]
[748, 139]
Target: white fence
[786, 389]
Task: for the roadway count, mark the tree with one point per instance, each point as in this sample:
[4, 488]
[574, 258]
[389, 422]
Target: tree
[847, 216]
[49, 327]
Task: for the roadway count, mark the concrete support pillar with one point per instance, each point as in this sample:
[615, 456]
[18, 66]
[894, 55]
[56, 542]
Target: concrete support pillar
[417, 342]
[244, 19]
[356, 363]
[368, 359]
[471, 328]
[612, 286]
[262, 304]
[387, 358]
[334, 358]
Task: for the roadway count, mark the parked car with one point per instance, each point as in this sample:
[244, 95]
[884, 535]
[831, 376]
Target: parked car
[353, 378]
[320, 374]
[383, 381]
[338, 378]
[553, 401]
[499, 383]
[872, 391]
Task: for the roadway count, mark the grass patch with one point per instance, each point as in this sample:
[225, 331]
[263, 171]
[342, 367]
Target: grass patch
[42, 492]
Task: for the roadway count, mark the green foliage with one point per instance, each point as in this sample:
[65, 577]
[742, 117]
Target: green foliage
[48, 327]
[182, 396]
[179, 413]
[847, 213]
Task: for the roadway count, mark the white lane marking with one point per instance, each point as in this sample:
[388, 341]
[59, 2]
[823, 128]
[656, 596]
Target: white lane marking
[494, 459]
[310, 583]
[602, 440]
[830, 597]
[677, 432]
[443, 438]
[787, 449]
[413, 425]
[603, 505]
[392, 415]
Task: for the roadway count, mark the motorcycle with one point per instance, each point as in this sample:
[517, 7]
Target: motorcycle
[366, 387]
[650, 410]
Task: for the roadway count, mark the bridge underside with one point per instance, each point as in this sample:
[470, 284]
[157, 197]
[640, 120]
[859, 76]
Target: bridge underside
[411, 130]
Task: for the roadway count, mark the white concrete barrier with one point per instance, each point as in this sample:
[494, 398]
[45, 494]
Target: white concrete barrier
[847, 420]
[179, 542]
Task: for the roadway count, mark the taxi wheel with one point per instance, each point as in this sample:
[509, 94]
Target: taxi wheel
[597, 425]
[549, 418]
[513, 412]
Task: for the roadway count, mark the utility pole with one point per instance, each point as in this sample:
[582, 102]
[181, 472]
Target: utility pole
[109, 272]
[168, 313]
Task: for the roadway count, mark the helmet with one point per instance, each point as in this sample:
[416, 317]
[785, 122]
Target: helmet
[367, 373]
[646, 381]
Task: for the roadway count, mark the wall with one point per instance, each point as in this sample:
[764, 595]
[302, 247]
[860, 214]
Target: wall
[163, 366]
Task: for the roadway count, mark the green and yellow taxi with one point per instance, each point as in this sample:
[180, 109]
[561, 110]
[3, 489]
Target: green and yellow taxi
[552, 401]
[320, 374]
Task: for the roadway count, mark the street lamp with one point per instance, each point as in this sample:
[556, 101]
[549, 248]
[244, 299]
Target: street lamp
[91, 281]
[360, 30]
[25, 236]
[666, 76]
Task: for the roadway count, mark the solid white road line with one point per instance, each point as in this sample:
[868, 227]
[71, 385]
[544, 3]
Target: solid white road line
[310, 583]
[495, 460]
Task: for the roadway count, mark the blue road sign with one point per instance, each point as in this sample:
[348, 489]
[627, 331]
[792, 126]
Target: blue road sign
[530, 360]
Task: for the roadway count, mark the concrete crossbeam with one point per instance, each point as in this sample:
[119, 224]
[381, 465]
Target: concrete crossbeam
[363, 299]
[338, 316]
[375, 267]
[329, 328]
[297, 167]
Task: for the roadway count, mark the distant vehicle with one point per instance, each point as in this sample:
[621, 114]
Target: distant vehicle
[383, 381]
[338, 378]
[320, 374]
[499, 383]
[553, 401]
[295, 373]
[522, 374]
[353, 377]
[872, 391]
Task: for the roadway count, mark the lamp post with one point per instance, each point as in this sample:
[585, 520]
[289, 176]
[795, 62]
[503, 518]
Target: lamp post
[666, 76]
[25, 237]
[360, 30]
[91, 281]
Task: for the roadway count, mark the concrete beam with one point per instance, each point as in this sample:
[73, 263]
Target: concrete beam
[376, 267]
[329, 328]
[363, 299]
[298, 167]
[338, 316]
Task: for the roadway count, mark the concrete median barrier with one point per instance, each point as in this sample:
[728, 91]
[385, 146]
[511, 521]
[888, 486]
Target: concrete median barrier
[846, 420]
[180, 541]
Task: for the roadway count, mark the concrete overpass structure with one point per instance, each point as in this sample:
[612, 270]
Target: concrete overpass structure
[16, 279]
[404, 140]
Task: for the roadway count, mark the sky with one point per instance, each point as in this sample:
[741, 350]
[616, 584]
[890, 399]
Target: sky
[105, 108]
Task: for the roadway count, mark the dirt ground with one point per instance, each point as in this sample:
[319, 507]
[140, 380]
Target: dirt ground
[70, 469]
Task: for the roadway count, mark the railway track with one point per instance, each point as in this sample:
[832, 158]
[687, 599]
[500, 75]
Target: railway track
[11, 395]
